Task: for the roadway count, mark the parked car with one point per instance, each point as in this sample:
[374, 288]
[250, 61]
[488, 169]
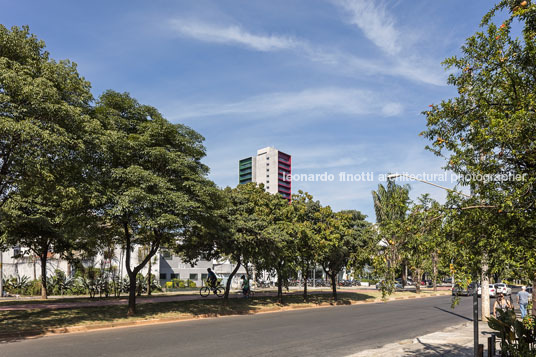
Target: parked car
[397, 285]
[503, 288]
[492, 291]
[460, 290]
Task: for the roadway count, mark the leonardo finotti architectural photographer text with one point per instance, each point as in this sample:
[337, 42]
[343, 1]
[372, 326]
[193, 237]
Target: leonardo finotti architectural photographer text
[405, 176]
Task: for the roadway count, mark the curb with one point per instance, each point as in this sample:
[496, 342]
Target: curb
[123, 324]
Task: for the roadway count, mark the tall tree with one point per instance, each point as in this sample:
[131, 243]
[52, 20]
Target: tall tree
[236, 230]
[423, 237]
[276, 247]
[391, 203]
[487, 133]
[45, 137]
[343, 234]
[305, 216]
[153, 181]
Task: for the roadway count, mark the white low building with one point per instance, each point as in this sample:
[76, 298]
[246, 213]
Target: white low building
[164, 266]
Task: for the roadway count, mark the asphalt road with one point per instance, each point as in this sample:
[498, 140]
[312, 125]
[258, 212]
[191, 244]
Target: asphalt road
[331, 331]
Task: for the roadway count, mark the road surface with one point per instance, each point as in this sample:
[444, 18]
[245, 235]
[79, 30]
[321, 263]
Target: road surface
[331, 331]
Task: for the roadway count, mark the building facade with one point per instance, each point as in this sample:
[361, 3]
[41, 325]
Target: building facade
[271, 167]
[172, 267]
[164, 266]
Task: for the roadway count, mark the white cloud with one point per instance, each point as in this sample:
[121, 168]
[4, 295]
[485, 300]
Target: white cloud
[392, 109]
[310, 102]
[340, 61]
[230, 34]
[402, 60]
[377, 25]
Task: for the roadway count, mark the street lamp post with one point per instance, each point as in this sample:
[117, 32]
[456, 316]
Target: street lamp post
[393, 176]
[475, 292]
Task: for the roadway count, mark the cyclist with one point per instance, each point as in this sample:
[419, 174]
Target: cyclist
[212, 279]
[245, 286]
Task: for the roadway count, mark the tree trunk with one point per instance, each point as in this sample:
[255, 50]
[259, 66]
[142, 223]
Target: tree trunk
[131, 293]
[149, 280]
[279, 287]
[43, 259]
[405, 274]
[333, 277]
[131, 275]
[230, 279]
[305, 276]
[484, 279]
[418, 281]
[434, 262]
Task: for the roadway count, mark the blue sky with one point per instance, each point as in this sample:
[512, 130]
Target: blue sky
[338, 84]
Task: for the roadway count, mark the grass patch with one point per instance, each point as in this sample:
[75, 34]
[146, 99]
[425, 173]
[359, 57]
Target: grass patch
[85, 298]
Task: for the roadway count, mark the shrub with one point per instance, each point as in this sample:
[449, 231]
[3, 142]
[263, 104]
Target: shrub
[59, 283]
[33, 288]
[176, 283]
[16, 285]
[518, 338]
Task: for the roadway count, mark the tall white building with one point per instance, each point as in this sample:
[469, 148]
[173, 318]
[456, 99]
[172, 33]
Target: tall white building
[270, 167]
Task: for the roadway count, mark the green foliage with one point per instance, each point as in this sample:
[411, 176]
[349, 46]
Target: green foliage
[391, 203]
[46, 134]
[489, 128]
[59, 283]
[518, 338]
[22, 286]
[154, 182]
[343, 235]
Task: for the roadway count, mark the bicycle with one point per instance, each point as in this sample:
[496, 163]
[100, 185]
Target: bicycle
[218, 290]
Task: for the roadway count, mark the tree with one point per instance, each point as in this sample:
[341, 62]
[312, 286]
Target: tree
[45, 138]
[305, 216]
[423, 237]
[153, 182]
[276, 248]
[343, 234]
[235, 231]
[391, 204]
[487, 133]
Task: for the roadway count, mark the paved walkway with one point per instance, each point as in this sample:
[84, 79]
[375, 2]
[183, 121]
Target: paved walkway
[454, 341]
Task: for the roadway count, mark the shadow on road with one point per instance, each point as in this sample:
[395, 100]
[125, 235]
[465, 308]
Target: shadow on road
[453, 313]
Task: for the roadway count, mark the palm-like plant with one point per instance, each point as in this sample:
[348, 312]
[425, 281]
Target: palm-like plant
[391, 205]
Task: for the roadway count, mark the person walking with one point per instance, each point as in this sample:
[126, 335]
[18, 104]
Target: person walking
[245, 286]
[501, 303]
[523, 301]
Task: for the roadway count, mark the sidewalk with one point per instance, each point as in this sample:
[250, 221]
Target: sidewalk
[454, 341]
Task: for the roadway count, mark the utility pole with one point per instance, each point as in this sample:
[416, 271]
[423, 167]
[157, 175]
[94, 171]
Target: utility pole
[475, 318]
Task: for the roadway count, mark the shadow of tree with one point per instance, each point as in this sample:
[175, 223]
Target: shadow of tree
[20, 324]
[446, 350]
